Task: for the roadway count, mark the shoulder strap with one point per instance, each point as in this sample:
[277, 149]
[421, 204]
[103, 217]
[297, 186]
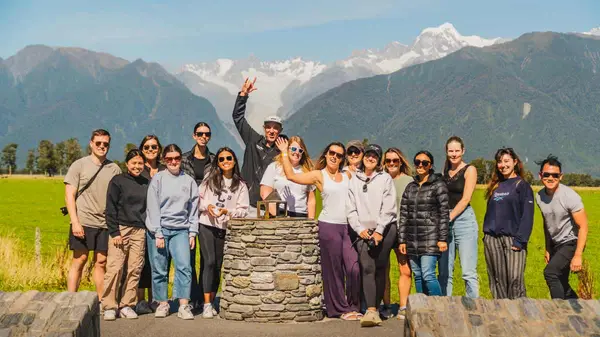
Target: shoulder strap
[89, 183]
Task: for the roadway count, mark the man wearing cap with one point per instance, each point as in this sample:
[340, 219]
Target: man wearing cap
[260, 149]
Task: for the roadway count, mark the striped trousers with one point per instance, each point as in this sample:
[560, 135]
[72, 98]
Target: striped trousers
[505, 267]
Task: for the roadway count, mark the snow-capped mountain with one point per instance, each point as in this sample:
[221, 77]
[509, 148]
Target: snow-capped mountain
[284, 86]
[594, 31]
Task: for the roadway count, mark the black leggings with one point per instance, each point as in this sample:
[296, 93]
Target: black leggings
[373, 266]
[212, 244]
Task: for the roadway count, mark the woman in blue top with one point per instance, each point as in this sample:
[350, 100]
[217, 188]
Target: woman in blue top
[507, 226]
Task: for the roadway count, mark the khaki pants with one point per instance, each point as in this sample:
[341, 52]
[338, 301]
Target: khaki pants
[129, 256]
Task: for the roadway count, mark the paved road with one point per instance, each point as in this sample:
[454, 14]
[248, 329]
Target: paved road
[148, 326]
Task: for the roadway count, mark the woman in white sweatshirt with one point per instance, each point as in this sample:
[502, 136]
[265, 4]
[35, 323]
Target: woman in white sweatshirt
[372, 213]
[223, 196]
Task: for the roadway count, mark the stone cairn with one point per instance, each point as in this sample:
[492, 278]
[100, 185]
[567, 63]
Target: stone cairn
[271, 271]
[36, 313]
[461, 316]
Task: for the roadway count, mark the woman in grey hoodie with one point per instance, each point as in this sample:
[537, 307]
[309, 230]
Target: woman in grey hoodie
[172, 223]
[372, 211]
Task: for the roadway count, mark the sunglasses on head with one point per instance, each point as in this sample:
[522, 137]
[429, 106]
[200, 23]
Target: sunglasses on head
[423, 163]
[297, 149]
[395, 161]
[548, 175]
[228, 158]
[105, 144]
[172, 159]
[200, 134]
[336, 154]
[354, 151]
[148, 147]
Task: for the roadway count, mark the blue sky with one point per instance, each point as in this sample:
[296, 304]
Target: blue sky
[177, 32]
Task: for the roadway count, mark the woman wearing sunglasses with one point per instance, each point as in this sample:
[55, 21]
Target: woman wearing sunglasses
[463, 231]
[223, 196]
[396, 165]
[507, 226]
[355, 150]
[339, 260]
[172, 222]
[423, 224]
[372, 214]
[301, 201]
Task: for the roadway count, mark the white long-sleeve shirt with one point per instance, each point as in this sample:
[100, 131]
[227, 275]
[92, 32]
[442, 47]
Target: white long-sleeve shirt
[236, 203]
[375, 208]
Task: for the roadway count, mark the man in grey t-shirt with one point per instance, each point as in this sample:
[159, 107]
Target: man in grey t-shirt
[88, 225]
[565, 227]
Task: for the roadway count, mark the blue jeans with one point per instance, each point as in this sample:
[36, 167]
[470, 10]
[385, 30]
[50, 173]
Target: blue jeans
[463, 235]
[177, 246]
[423, 267]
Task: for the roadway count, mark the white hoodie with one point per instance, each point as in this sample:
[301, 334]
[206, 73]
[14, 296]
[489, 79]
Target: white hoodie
[236, 203]
[376, 208]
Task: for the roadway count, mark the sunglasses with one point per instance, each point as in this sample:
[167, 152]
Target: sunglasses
[395, 161]
[365, 186]
[172, 159]
[423, 163]
[105, 144]
[354, 151]
[548, 175]
[296, 149]
[228, 158]
[336, 154]
[148, 147]
[200, 134]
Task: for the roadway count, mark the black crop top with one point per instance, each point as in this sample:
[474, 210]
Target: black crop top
[456, 186]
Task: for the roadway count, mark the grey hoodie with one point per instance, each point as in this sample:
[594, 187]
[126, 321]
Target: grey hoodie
[376, 208]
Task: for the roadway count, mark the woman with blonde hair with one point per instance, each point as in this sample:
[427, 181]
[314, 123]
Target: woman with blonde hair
[301, 201]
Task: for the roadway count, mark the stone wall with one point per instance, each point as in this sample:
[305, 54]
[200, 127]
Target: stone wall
[462, 316]
[272, 271]
[35, 313]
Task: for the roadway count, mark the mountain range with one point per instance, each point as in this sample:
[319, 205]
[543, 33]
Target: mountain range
[59, 93]
[539, 94]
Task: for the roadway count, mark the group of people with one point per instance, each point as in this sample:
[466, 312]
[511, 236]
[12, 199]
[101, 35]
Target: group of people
[169, 202]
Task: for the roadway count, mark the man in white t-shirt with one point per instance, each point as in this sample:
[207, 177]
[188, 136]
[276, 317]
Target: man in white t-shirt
[565, 228]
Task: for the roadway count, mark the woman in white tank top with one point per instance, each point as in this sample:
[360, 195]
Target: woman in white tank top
[339, 260]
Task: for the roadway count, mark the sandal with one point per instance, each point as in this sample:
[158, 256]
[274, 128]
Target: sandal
[351, 316]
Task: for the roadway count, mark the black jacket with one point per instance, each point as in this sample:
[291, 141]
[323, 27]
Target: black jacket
[424, 216]
[187, 164]
[257, 155]
[126, 202]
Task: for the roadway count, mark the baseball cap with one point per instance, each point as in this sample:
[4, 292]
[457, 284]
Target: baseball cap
[357, 144]
[374, 148]
[275, 119]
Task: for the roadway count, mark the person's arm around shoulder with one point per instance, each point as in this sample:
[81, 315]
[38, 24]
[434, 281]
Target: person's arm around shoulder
[575, 206]
[248, 134]
[444, 212]
[113, 195]
[526, 221]
[71, 186]
[470, 183]
[308, 178]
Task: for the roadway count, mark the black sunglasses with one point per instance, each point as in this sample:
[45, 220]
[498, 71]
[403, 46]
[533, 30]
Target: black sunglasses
[148, 147]
[200, 134]
[395, 161]
[336, 154]
[365, 187]
[228, 158]
[424, 162]
[548, 175]
[105, 144]
[354, 151]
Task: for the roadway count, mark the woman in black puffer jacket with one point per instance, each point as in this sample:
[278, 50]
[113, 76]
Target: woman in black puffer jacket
[423, 223]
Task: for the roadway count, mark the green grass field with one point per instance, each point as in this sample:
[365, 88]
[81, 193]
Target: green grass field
[28, 203]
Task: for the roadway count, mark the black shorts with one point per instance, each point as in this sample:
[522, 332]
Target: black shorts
[95, 239]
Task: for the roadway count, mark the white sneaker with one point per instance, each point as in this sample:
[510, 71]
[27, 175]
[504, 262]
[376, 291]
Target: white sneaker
[214, 311]
[162, 310]
[185, 312]
[208, 311]
[110, 315]
[127, 312]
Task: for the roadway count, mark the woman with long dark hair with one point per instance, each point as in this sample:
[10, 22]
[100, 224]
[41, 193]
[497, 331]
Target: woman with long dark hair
[463, 232]
[125, 216]
[172, 222]
[507, 226]
[223, 196]
[372, 214]
[339, 260]
[301, 200]
[398, 167]
[423, 224]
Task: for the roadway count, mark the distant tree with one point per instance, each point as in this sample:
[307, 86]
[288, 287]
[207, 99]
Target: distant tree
[485, 169]
[579, 179]
[46, 160]
[528, 176]
[9, 157]
[30, 163]
[128, 148]
[72, 151]
[60, 156]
